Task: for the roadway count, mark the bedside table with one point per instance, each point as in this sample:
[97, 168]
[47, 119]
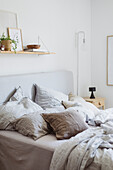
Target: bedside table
[98, 101]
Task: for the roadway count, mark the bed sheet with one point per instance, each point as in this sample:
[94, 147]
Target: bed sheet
[18, 152]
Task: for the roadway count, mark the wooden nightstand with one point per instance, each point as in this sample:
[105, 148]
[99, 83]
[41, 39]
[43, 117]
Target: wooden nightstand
[98, 101]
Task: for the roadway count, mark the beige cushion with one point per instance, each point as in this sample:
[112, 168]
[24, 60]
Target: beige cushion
[75, 98]
[65, 124]
[30, 125]
[68, 104]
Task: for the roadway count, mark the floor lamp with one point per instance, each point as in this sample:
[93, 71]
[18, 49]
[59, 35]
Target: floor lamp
[77, 35]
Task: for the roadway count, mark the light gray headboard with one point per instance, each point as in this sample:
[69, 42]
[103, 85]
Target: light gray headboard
[59, 80]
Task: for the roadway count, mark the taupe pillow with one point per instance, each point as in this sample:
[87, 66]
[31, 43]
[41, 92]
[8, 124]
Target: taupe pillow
[65, 124]
[30, 125]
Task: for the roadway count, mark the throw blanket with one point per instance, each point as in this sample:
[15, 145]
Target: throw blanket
[89, 150]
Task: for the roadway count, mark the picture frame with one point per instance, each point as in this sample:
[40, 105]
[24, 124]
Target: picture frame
[7, 19]
[16, 34]
[110, 60]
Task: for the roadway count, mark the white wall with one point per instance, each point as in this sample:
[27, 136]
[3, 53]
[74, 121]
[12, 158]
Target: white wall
[56, 22]
[102, 25]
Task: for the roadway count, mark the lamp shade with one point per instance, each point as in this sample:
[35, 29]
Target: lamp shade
[92, 88]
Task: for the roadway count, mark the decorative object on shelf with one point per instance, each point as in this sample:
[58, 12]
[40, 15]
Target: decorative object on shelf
[2, 47]
[92, 89]
[34, 46]
[36, 50]
[7, 42]
[16, 34]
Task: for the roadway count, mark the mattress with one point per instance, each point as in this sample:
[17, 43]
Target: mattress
[18, 152]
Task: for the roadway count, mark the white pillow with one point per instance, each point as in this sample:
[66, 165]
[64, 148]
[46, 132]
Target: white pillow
[18, 95]
[78, 99]
[13, 110]
[48, 98]
[75, 98]
[83, 112]
[87, 105]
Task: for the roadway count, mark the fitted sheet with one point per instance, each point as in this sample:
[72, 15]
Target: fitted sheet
[18, 152]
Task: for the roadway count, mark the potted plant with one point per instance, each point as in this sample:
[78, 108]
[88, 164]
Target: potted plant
[7, 42]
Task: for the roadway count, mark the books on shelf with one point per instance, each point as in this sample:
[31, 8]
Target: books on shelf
[35, 50]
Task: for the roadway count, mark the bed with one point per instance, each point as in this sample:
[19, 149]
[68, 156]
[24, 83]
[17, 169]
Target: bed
[92, 149]
[20, 152]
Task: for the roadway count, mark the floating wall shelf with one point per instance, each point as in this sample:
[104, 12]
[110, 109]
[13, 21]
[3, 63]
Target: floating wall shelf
[26, 52]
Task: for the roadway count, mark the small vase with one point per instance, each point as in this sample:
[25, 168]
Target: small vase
[7, 44]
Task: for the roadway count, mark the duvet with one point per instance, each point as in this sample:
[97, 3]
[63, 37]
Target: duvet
[89, 150]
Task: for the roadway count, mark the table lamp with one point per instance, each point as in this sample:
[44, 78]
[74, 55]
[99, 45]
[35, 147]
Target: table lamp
[92, 89]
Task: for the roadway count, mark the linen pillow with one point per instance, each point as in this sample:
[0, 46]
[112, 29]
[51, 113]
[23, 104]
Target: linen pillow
[48, 98]
[83, 109]
[83, 112]
[75, 98]
[12, 110]
[68, 104]
[87, 105]
[91, 108]
[65, 124]
[18, 95]
[30, 125]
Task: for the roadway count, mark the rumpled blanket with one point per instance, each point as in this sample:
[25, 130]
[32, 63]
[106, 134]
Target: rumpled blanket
[89, 150]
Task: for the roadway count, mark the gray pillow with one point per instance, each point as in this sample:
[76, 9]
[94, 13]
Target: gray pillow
[48, 98]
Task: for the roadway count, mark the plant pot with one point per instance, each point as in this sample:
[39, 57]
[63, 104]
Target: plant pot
[7, 44]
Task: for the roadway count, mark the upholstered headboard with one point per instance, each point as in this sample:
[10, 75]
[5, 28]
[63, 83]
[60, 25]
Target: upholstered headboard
[59, 80]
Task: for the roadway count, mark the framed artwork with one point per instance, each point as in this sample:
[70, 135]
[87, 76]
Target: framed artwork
[110, 60]
[16, 34]
[7, 19]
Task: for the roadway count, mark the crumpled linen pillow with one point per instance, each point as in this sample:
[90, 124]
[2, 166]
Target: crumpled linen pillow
[33, 125]
[68, 104]
[72, 97]
[30, 125]
[83, 112]
[65, 124]
[15, 109]
[87, 105]
[49, 98]
[18, 95]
